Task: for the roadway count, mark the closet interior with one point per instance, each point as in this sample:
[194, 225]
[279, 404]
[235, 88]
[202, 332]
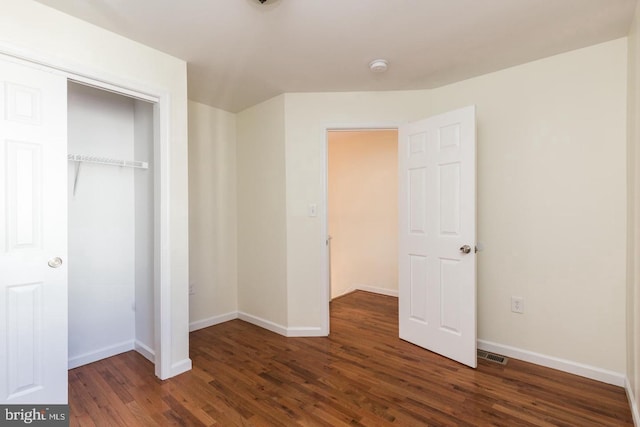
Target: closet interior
[111, 225]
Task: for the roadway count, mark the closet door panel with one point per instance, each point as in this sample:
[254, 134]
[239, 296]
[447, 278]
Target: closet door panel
[24, 195]
[33, 230]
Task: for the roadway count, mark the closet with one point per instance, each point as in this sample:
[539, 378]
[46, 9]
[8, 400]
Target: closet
[110, 225]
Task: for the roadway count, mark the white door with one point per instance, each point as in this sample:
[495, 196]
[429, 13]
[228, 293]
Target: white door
[33, 235]
[437, 233]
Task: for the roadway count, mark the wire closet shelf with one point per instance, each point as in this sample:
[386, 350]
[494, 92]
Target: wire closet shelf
[80, 158]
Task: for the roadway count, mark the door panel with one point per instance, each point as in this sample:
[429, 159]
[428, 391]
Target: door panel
[437, 281]
[24, 195]
[418, 201]
[33, 230]
[418, 288]
[24, 327]
[449, 199]
[450, 290]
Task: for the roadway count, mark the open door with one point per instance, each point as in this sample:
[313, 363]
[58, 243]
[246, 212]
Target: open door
[33, 235]
[437, 234]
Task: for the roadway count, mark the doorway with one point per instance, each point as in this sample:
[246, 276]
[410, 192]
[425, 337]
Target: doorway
[110, 225]
[436, 208]
[363, 210]
[34, 134]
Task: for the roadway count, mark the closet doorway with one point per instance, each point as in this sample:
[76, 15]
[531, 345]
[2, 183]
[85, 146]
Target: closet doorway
[34, 229]
[110, 224]
[363, 210]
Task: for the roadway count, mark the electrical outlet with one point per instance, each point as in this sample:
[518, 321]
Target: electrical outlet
[192, 288]
[517, 305]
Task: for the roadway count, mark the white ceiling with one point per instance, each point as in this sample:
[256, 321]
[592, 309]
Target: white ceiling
[241, 52]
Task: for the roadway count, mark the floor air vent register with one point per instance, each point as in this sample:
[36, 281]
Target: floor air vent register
[492, 357]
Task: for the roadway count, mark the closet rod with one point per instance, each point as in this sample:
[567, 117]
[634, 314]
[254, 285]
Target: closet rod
[106, 161]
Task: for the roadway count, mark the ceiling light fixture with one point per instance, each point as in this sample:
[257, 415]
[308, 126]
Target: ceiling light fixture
[379, 65]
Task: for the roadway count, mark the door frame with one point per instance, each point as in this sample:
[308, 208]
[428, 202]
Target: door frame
[325, 279]
[161, 101]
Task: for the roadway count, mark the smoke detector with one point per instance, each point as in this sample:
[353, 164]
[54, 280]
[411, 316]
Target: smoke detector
[378, 65]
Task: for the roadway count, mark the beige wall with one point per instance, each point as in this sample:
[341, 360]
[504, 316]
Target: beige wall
[552, 203]
[213, 257]
[40, 32]
[363, 210]
[551, 191]
[308, 115]
[262, 233]
[633, 215]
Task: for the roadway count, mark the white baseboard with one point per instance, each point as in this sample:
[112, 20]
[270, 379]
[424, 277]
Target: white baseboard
[633, 403]
[145, 351]
[376, 290]
[211, 321]
[305, 332]
[100, 354]
[180, 367]
[258, 321]
[294, 331]
[587, 371]
[372, 289]
[263, 323]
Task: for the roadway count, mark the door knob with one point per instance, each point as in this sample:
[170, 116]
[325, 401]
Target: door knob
[465, 249]
[55, 262]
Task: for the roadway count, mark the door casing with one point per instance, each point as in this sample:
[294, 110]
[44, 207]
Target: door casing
[161, 111]
[323, 210]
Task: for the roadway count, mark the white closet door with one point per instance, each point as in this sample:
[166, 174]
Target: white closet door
[33, 235]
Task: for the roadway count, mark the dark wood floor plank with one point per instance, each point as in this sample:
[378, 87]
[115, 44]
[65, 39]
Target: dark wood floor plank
[362, 375]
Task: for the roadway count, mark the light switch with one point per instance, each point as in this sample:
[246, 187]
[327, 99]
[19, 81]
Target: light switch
[312, 210]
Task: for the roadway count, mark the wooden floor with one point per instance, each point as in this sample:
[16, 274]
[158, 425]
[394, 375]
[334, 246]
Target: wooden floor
[362, 375]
